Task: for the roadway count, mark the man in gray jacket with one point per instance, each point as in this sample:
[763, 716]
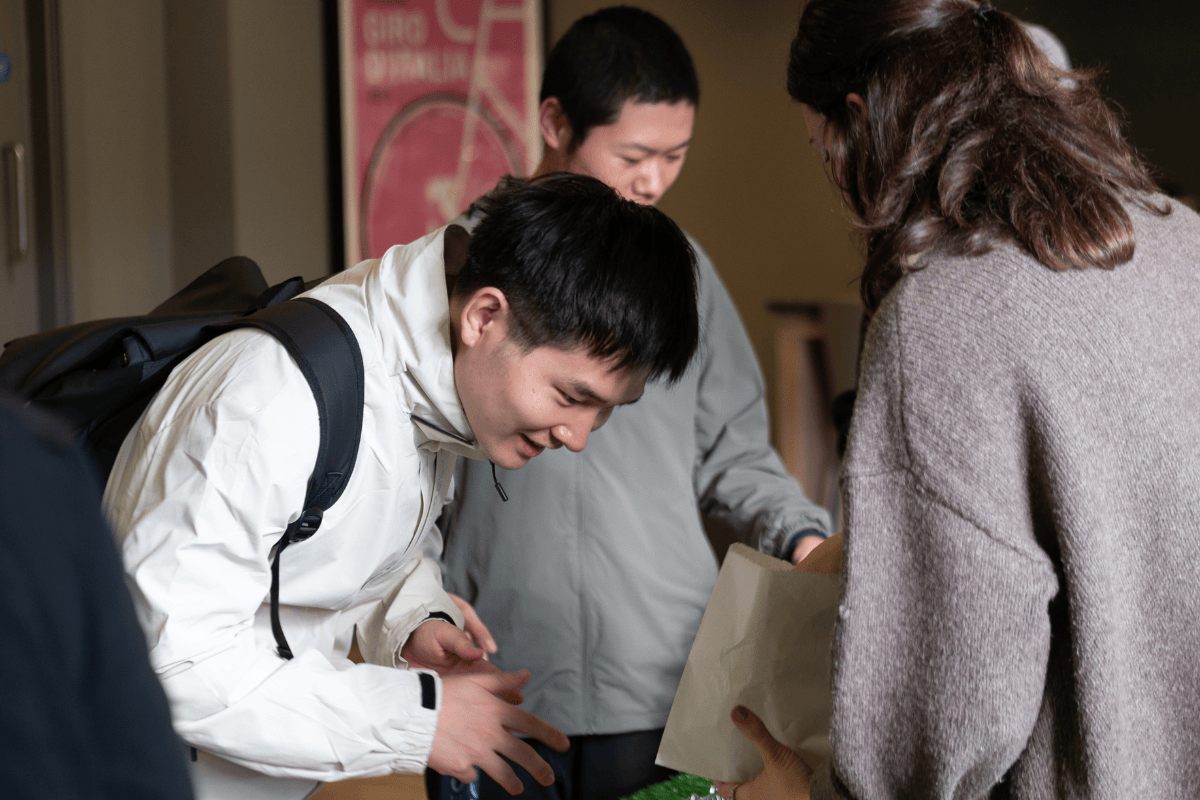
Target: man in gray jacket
[595, 573]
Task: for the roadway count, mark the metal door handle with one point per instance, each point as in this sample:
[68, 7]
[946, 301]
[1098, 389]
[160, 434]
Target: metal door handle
[17, 201]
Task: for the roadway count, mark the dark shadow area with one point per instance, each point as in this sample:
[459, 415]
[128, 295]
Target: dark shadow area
[1151, 69]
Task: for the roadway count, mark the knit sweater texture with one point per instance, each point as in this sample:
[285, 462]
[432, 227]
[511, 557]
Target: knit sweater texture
[1020, 613]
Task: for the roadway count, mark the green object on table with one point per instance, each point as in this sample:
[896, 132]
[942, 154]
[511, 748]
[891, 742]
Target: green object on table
[681, 787]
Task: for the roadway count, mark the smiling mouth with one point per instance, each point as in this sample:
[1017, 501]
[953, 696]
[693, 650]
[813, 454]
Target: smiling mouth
[529, 447]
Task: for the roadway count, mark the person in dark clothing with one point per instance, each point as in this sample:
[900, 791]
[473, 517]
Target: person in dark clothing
[82, 717]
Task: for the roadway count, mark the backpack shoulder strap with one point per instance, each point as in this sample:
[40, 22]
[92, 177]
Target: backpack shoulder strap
[327, 352]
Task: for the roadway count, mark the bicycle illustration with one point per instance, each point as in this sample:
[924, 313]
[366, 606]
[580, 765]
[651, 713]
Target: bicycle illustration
[414, 183]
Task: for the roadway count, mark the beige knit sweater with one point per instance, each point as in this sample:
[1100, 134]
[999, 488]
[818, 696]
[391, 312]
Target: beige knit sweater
[1020, 615]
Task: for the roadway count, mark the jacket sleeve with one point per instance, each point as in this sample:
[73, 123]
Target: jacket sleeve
[383, 632]
[739, 478]
[200, 493]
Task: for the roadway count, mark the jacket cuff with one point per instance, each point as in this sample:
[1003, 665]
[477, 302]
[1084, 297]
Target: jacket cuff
[412, 741]
[777, 530]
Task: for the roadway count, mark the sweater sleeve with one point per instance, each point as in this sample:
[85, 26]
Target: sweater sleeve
[940, 650]
[198, 496]
[739, 478]
[943, 634]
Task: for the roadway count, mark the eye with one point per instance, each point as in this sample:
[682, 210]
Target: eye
[633, 162]
[568, 399]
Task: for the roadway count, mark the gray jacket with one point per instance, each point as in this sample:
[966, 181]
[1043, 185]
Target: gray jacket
[1021, 596]
[595, 573]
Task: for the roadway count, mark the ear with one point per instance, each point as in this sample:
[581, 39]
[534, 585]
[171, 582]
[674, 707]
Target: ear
[552, 121]
[856, 103]
[483, 317]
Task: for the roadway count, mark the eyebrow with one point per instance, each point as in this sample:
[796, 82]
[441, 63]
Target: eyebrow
[586, 391]
[645, 149]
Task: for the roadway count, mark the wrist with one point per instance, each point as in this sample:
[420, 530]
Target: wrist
[442, 615]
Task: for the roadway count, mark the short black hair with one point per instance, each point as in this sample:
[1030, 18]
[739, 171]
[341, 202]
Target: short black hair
[583, 267]
[613, 55]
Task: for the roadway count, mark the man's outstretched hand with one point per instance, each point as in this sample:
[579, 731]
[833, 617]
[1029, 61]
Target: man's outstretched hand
[785, 775]
[476, 727]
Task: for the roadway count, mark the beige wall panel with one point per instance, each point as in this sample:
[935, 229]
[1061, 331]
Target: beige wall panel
[280, 195]
[198, 117]
[114, 117]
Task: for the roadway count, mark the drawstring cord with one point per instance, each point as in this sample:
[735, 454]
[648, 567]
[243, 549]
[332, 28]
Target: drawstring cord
[495, 480]
[452, 435]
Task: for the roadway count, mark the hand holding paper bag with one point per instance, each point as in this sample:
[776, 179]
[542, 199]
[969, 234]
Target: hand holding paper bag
[763, 643]
[785, 775]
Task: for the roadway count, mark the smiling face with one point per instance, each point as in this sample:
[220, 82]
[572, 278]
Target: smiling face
[521, 402]
[524, 402]
[639, 155]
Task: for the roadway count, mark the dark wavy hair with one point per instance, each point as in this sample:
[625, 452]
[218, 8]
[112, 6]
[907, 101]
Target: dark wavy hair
[582, 266]
[613, 55]
[969, 137]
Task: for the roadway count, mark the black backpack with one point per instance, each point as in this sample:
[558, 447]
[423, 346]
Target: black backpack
[100, 376]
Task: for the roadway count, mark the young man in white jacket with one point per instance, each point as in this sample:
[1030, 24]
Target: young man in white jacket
[520, 337]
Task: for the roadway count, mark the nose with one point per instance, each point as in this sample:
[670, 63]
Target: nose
[649, 184]
[573, 437]
[574, 434]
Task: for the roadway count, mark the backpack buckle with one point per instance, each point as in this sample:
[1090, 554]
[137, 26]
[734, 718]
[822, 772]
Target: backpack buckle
[310, 521]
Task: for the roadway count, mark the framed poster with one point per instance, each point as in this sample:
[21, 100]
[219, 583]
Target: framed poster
[439, 100]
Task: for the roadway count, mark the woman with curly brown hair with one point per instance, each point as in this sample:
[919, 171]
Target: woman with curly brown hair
[1020, 607]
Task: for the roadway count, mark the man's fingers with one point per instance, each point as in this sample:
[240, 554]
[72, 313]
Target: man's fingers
[522, 722]
[513, 697]
[505, 685]
[482, 667]
[502, 773]
[456, 642]
[465, 773]
[475, 725]
[520, 752]
[474, 625]
[497, 682]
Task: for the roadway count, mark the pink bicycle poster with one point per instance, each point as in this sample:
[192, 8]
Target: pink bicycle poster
[439, 100]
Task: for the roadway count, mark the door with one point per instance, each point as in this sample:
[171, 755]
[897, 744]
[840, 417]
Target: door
[19, 277]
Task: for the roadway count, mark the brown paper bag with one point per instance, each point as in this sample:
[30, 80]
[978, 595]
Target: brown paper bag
[764, 643]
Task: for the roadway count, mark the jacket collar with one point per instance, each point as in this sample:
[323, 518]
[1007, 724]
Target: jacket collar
[408, 313]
